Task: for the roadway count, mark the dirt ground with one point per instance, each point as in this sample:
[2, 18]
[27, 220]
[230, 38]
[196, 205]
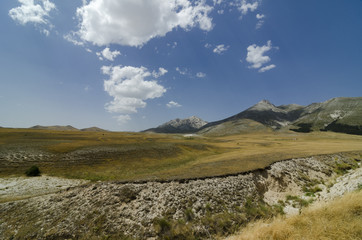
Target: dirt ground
[14, 188]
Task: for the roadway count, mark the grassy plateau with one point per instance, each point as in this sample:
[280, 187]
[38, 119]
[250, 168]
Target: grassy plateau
[144, 156]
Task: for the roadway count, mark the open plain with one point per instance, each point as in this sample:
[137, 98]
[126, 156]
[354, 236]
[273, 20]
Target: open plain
[109, 185]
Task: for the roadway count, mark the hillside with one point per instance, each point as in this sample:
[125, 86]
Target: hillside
[55, 128]
[187, 125]
[93, 129]
[67, 128]
[337, 114]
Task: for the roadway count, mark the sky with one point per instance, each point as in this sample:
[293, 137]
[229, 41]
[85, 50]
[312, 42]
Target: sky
[129, 65]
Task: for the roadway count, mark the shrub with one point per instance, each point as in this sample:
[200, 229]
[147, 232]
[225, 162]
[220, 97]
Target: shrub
[33, 171]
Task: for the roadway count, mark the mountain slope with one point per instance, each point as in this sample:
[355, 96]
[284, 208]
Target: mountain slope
[337, 114]
[55, 128]
[188, 125]
[263, 116]
[93, 129]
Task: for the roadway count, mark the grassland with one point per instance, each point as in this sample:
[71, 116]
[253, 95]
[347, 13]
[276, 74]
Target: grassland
[340, 219]
[144, 156]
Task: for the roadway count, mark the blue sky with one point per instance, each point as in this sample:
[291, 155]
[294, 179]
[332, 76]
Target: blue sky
[128, 65]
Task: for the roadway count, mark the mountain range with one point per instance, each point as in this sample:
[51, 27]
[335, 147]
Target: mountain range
[67, 128]
[337, 114]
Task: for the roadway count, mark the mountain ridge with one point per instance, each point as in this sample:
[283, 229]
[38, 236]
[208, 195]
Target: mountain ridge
[67, 128]
[339, 114]
[178, 125]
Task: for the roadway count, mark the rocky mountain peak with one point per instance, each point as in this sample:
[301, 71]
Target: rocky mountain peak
[264, 105]
[187, 125]
[191, 122]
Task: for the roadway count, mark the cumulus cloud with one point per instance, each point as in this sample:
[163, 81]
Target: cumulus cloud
[129, 88]
[245, 7]
[220, 49]
[161, 72]
[256, 57]
[135, 22]
[108, 54]
[173, 104]
[267, 68]
[33, 11]
[200, 75]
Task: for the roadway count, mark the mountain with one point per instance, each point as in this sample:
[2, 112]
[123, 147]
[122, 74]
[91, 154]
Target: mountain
[337, 114]
[263, 116]
[93, 129]
[188, 125]
[55, 128]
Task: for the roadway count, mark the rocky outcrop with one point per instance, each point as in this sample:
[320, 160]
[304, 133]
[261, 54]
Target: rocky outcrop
[148, 210]
[187, 125]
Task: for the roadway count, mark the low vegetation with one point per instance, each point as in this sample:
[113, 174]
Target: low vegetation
[340, 219]
[144, 156]
[33, 171]
[214, 224]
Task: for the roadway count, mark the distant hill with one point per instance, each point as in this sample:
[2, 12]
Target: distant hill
[68, 128]
[93, 129]
[56, 128]
[233, 127]
[337, 114]
[265, 113]
[188, 125]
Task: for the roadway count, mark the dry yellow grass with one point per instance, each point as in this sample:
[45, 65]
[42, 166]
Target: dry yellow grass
[161, 156]
[339, 220]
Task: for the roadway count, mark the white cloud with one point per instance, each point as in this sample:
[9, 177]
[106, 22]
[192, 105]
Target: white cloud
[207, 45]
[220, 11]
[217, 2]
[245, 7]
[108, 54]
[135, 22]
[161, 72]
[260, 22]
[129, 89]
[267, 68]
[70, 37]
[260, 16]
[33, 11]
[200, 75]
[122, 119]
[255, 55]
[173, 104]
[182, 72]
[219, 49]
